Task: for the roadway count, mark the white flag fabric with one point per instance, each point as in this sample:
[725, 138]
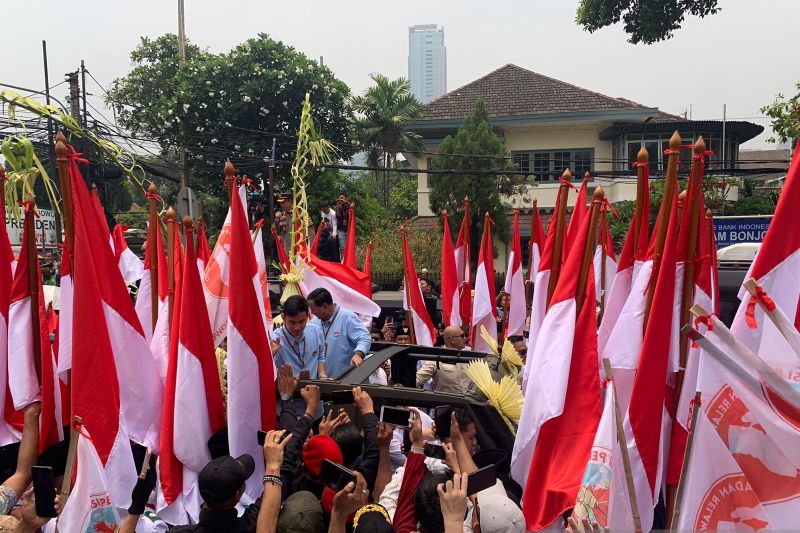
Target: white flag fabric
[89, 507]
[515, 285]
[484, 310]
[263, 281]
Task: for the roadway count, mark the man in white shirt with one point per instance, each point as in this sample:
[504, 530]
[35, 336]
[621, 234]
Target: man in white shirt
[330, 216]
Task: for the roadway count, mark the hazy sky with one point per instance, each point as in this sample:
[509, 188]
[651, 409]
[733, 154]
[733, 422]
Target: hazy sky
[742, 56]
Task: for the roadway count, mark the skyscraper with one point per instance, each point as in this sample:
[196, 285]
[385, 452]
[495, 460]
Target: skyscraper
[427, 61]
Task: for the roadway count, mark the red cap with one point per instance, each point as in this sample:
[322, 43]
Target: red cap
[317, 449]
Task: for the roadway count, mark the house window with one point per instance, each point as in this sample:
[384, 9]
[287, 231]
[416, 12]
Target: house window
[541, 166]
[582, 162]
[522, 161]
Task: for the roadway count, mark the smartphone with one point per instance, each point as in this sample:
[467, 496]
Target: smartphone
[44, 491]
[342, 397]
[335, 476]
[481, 479]
[434, 450]
[442, 418]
[396, 416]
[262, 437]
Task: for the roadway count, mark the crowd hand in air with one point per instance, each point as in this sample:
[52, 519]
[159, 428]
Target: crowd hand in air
[328, 424]
[453, 501]
[582, 526]
[29, 521]
[450, 458]
[287, 383]
[363, 401]
[347, 501]
[273, 451]
[275, 345]
[311, 395]
[417, 439]
[385, 434]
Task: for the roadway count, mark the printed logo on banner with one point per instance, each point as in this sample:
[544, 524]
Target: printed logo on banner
[771, 474]
[730, 505]
[101, 518]
[592, 501]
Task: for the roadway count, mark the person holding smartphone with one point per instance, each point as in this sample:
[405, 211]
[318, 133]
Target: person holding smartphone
[11, 490]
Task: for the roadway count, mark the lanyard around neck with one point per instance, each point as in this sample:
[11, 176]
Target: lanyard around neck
[300, 356]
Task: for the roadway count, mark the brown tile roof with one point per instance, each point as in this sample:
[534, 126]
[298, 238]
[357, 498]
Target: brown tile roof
[512, 90]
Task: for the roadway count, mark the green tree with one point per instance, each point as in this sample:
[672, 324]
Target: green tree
[229, 105]
[645, 21]
[486, 152]
[384, 113]
[785, 115]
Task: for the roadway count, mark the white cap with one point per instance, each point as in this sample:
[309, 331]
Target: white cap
[499, 514]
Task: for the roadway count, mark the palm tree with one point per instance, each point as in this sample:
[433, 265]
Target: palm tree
[384, 113]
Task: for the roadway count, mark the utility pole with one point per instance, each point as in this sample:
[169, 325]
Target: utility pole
[83, 92]
[271, 196]
[181, 65]
[50, 141]
[74, 95]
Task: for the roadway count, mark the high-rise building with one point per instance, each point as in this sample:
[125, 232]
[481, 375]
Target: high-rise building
[427, 61]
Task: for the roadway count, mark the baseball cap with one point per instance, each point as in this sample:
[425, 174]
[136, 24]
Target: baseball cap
[317, 449]
[221, 479]
[301, 513]
[498, 514]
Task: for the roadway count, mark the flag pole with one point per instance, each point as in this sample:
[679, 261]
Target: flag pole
[676, 508]
[623, 447]
[171, 262]
[777, 317]
[409, 310]
[66, 484]
[154, 233]
[33, 283]
[641, 158]
[529, 276]
[588, 249]
[467, 264]
[560, 228]
[62, 161]
[681, 204]
[601, 239]
[670, 184]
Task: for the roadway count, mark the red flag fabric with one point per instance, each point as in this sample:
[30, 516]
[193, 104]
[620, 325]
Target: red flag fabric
[350, 288]
[349, 257]
[29, 349]
[535, 245]
[317, 234]
[646, 416]
[368, 263]
[579, 212]
[7, 434]
[251, 380]
[604, 253]
[562, 406]
[424, 331]
[130, 266]
[515, 285]
[283, 258]
[484, 309]
[263, 280]
[203, 251]
[464, 269]
[193, 404]
[451, 310]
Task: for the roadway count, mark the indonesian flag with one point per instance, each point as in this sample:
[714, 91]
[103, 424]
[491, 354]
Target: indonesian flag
[111, 411]
[451, 312]
[562, 406]
[216, 279]
[717, 495]
[424, 331]
[756, 415]
[515, 284]
[368, 263]
[203, 251]
[159, 342]
[484, 310]
[317, 235]
[7, 434]
[463, 268]
[536, 244]
[91, 504]
[595, 491]
[130, 266]
[349, 256]
[63, 342]
[350, 288]
[193, 405]
[32, 369]
[283, 257]
[101, 213]
[144, 296]
[605, 260]
[263, 281]
[112, 364]
[251, 380]
[647, 417]
[579, 212]
[777, 269]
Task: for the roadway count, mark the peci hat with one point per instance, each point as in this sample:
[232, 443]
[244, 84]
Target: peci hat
[221, 479]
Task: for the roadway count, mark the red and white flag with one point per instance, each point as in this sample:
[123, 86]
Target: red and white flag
[350, 288]
[776, 268]
[605, 260]
[7, 434]
[91, 505]
[451, 307]
[263, 281]
[579, 211]
[484, 310]
[144, 296]
[32, 369]
[562, 398]
[110, 342]
[463, 268]
[349, 256]
[63, 341]
[368, 262]
[203, 251]
[647, 422]
[251, 380]
[130, 265]
[424, 332]
[159, 344]
[193, 405]
[216, 280]
[515, 285]
[535, 244]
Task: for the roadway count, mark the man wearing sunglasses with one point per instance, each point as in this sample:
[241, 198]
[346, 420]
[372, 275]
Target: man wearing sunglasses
[447, 377]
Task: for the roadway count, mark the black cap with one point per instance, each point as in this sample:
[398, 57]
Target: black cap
[221, 479]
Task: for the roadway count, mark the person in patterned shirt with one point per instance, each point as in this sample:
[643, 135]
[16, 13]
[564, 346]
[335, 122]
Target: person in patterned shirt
[11, 490]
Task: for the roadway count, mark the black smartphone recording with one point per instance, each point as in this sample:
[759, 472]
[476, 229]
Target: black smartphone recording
[342, 397]
[44, 491]
[396, 416]
[481, 479]
[335, 476]
[434, 450]
[441, 419]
